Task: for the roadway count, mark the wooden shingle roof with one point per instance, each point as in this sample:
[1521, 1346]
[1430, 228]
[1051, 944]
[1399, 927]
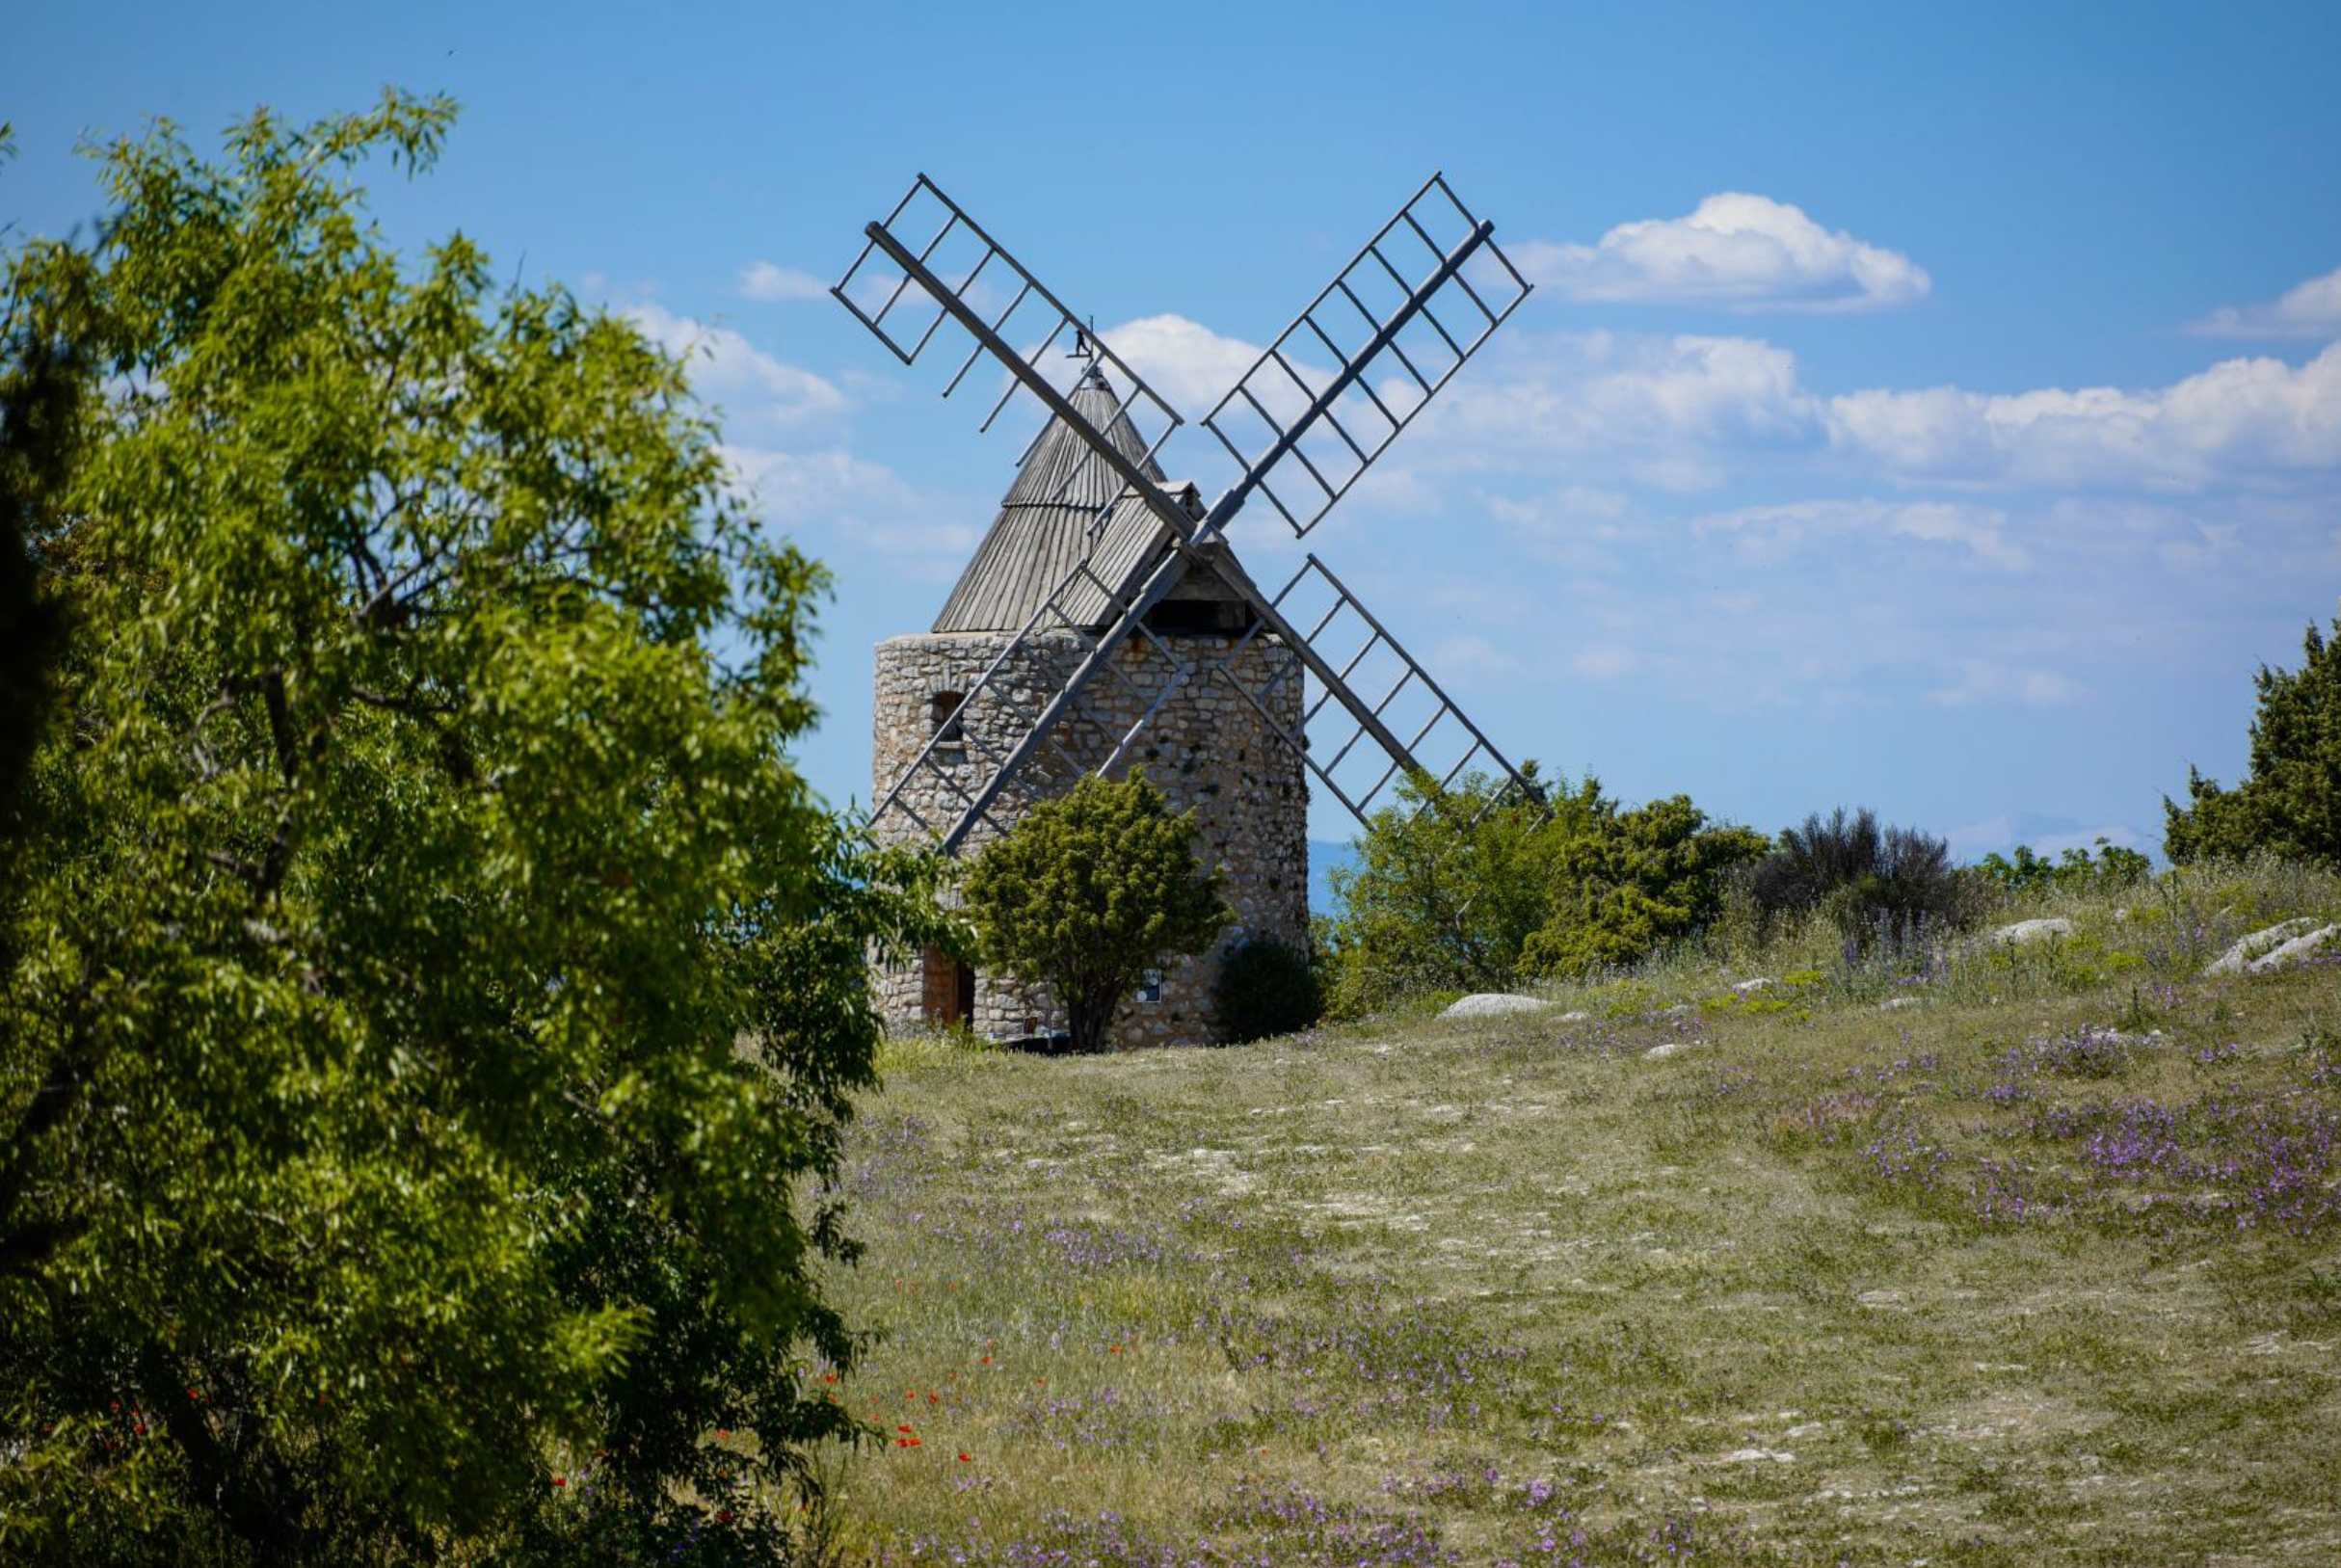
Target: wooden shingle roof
[1044, 525]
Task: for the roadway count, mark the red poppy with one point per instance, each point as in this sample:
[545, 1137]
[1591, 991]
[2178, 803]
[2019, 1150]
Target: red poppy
[963, 1459]
[987, 1361]
[722, 1434]
[724, 1515]
[902, 1428]
[560, 1480]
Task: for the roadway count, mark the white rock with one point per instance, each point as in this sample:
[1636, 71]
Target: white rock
[1748, 988]
[2298, 948]
[2051, 925]
[1493, 1005]
[1895, 1003]
[1656, 1053]
[2236, 959]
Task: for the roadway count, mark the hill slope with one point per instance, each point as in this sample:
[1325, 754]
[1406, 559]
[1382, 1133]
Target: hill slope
[2037, 1267]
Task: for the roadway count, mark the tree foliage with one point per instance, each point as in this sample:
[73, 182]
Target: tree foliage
[1877, 882]
[430, 990]
[1481, 889]
[1628, 884]
[2289, 804]
[2024, 870]
[1266, 987]
[1090, 890]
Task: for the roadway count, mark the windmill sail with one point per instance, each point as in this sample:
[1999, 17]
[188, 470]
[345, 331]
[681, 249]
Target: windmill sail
[1383, 306]
[1315, 431]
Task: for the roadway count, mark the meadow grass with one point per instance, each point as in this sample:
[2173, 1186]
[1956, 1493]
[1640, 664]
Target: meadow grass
[2036, 1266]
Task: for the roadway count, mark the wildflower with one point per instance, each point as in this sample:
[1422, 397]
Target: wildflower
[966, 1459]
[722, 1434]
[722, 1516]
[902, 1429]
[560, 1480]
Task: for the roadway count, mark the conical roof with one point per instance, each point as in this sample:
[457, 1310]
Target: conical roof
[1043, 529]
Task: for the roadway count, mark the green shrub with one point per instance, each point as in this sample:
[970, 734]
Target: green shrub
[2074, 869]
[1483, 889]
[1875, 884]
[1266, 987]
[1090, 890]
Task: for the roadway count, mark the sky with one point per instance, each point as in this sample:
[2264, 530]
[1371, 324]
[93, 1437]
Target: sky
[1929, 409]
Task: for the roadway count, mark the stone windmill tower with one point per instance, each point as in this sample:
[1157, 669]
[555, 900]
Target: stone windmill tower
[1207, 749]
[1105, 623]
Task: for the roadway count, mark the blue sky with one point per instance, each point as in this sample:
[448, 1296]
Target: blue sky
[1937, 410]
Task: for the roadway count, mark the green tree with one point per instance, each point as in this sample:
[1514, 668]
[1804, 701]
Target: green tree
[1446, 890]
[431, 994]
[1089, 891]
[1627, 883]
[1482, 887]
[2290, 802]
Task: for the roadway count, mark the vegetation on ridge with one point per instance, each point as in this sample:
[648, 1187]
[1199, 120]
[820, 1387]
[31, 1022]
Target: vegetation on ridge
[2033, 1266]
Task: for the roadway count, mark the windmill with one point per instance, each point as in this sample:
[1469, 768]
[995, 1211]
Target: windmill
[1107, 622]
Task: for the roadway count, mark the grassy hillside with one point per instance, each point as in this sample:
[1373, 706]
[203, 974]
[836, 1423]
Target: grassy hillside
[2018, 1255]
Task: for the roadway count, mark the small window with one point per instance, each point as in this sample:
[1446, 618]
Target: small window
[1150, 989]
[942, 722]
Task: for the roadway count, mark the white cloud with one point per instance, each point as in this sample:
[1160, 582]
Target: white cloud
[2238, 419]
[764, 281]
[1187, 363]
[1762, 535]
[752, 385]
[838, 495]
[1982, 681]
[2309, 309]
[1666, 410]
[1735, 251]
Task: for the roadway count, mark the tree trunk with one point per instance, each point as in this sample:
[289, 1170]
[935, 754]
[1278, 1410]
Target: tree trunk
[1086, 1018]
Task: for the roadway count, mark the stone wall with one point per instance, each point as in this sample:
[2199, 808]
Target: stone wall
[1206, 749]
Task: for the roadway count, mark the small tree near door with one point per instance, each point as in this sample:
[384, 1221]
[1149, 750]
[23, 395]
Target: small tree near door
[1089, 891]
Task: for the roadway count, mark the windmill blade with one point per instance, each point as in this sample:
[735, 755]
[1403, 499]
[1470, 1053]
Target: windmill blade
[1412, 720]
[927, 263]
[1315, 431]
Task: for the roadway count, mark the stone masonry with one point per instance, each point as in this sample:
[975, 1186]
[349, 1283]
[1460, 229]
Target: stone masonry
[1207, 750]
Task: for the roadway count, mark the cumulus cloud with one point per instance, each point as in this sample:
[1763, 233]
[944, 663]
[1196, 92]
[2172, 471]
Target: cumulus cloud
[765, 280]
[752, 385]
[1735, 251]
[1669, 412]
[834, 495]
[1762, 535]
[2309, 309]
[2237, 419]
[1189, 364]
